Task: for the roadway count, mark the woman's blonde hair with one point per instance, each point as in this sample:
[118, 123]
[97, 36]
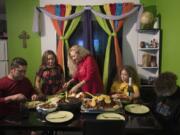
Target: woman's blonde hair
[82, 52]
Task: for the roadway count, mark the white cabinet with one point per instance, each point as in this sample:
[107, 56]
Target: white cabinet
[3, 58]
[148, 56]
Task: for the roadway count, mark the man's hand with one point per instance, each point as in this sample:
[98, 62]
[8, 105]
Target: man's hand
[16, 97]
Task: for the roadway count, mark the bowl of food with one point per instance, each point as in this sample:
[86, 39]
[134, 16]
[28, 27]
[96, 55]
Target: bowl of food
[46, 107]
[72, 104]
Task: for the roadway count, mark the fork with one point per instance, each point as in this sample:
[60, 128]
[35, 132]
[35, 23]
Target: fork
[66, 94]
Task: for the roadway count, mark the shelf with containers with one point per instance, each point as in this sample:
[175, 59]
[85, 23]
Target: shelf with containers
[148, 56]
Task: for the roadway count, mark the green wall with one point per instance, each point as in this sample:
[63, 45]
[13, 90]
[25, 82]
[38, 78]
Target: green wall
[170, 25]
[170, 20]
[20, 18]
[149, 5]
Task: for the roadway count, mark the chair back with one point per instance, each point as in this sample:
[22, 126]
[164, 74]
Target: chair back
[103, 127]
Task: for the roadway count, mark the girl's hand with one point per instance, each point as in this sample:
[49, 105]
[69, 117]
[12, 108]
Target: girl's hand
[66, 85]
[119, 95]
[34, 97]
[114, 96]
[123, 96]
[61, 91]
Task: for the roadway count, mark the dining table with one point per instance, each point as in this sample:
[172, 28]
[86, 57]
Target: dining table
[134, 123]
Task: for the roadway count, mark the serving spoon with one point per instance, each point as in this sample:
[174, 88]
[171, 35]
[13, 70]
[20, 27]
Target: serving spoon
[66, 95]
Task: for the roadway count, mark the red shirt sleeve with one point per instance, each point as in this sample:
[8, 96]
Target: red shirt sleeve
[2, 101]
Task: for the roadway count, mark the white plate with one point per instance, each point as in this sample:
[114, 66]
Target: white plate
[59, 117]
[137, 108]
[110, 116]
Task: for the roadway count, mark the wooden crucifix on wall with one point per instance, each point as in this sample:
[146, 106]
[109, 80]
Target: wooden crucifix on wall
[24, 36]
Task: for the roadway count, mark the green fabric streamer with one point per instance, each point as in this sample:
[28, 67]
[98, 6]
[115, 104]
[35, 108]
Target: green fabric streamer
[102, 22]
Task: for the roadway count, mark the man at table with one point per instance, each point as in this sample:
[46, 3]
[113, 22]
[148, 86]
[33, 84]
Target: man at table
[15, 88]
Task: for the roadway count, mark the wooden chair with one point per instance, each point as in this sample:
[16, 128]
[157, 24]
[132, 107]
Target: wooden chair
[103, 127]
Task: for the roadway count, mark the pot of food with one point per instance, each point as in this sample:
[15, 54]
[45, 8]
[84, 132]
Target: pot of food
[72, 104]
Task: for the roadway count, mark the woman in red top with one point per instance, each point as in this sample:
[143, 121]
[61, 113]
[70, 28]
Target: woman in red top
[84, 69]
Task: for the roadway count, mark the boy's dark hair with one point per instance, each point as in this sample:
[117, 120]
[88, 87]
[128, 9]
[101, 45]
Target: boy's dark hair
[165, 84]
[18, 61]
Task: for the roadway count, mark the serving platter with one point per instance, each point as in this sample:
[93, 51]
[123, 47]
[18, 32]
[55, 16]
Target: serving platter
[101, 110]
[100, 103]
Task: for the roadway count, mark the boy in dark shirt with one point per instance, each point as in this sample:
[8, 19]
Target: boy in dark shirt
[167, 105]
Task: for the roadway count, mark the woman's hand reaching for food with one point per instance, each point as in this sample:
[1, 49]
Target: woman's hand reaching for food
[66, 85]
[73, 90]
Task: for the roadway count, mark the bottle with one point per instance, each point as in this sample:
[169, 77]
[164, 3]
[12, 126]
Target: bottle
[156, 23]
[130, 88]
